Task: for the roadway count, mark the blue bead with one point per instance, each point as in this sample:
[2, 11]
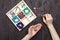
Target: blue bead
[20, 25]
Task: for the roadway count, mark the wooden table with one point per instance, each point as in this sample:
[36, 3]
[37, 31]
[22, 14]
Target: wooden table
[9, 32]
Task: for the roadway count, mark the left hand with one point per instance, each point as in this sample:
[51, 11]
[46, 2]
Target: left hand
[34, 29]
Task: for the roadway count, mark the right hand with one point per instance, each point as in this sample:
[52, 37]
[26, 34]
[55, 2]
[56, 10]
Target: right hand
[47, 19]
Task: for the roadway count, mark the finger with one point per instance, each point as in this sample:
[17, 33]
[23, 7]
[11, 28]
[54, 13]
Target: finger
[45, 16]
[50, 16]
[30, 29]
[39, 24]
[37, 27]
[44, 19]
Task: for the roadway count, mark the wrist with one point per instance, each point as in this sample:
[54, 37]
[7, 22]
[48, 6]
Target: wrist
[49, 24]
[27, 37]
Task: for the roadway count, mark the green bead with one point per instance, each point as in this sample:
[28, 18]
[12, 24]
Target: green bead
[26, 11]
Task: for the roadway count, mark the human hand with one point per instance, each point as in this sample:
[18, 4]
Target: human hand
[47, 19]
[34, 29]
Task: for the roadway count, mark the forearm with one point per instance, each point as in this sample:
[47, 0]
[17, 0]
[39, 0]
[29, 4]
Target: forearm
[27, 37]
[53, 32]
